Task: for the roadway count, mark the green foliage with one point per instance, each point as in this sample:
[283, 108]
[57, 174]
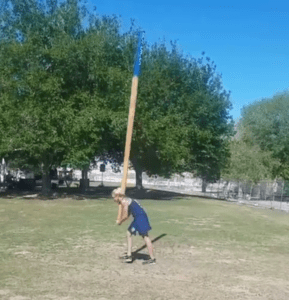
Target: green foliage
[182, 121]
[47, 113]
[266, 124]
[21, 18]
[65, 94]
[249, 163]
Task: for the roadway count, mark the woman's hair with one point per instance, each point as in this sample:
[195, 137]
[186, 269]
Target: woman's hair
[116, 192]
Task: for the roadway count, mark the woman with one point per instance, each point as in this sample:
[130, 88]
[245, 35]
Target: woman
[140, 223]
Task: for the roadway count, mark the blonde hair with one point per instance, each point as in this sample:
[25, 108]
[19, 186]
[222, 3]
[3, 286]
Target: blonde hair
[116, 192]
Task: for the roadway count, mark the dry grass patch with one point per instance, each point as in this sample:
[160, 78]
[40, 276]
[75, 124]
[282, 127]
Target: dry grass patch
[68, 249]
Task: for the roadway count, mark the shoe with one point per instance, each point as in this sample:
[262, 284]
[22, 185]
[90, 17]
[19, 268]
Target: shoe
[126, 258]
[150, 262]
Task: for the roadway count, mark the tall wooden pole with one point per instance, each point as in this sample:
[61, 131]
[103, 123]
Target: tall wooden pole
[129, 132]
[132, 107]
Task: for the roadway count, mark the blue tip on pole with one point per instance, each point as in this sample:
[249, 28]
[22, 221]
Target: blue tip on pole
[137, 63]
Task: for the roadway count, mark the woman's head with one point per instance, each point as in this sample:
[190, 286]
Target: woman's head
[117, 194]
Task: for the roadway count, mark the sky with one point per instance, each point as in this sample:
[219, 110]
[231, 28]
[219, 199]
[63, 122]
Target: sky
[248, 41]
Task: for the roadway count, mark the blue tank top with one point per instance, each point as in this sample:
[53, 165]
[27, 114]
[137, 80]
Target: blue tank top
[135, 209]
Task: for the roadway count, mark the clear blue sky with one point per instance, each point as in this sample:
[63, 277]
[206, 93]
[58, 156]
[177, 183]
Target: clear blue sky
[248, 41]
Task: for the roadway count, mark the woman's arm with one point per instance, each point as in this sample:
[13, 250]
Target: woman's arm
[123, 215]
[119, 214]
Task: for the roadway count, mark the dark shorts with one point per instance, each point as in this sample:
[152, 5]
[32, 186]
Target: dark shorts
[140, 225]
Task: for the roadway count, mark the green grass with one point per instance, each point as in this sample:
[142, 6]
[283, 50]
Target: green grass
[49, 225]
[222, 224]
[34, 233]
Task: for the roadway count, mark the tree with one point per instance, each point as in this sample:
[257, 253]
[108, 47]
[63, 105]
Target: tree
[65, 93]
[61, 85]
[249, 163]
[266, 124]
[47, 113]
[182, 121]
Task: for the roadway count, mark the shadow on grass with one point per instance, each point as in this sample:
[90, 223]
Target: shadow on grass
[92, 193]
[101, 192]
[142, 256]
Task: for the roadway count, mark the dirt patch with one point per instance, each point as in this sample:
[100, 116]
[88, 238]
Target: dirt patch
[92, 270]
[4, 292]
[78, 262]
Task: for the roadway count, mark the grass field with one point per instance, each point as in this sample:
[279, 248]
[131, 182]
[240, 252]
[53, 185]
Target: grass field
[68, 249]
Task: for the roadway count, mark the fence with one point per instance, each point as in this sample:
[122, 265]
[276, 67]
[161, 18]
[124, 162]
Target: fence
[274, 191]
[277, 190]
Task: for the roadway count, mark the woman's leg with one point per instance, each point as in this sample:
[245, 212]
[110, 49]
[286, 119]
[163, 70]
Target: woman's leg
[129, 243]
[149, 246]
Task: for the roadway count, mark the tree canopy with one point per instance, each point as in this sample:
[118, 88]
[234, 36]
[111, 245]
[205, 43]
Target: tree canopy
[65, 91]
[266, 124]
[182, 120]
[249, 163]
[53, 84]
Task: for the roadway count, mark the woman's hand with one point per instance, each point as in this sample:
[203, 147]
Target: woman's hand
[122, 211]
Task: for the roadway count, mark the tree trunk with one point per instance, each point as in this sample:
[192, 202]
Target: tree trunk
[251, 189]
[240, 194]
[84, 182]
[226, 190]
[46, 182]
[138, 178]
[204, 185]
[84, 174]
[282, 193]
[259, 192]
[138, 174]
